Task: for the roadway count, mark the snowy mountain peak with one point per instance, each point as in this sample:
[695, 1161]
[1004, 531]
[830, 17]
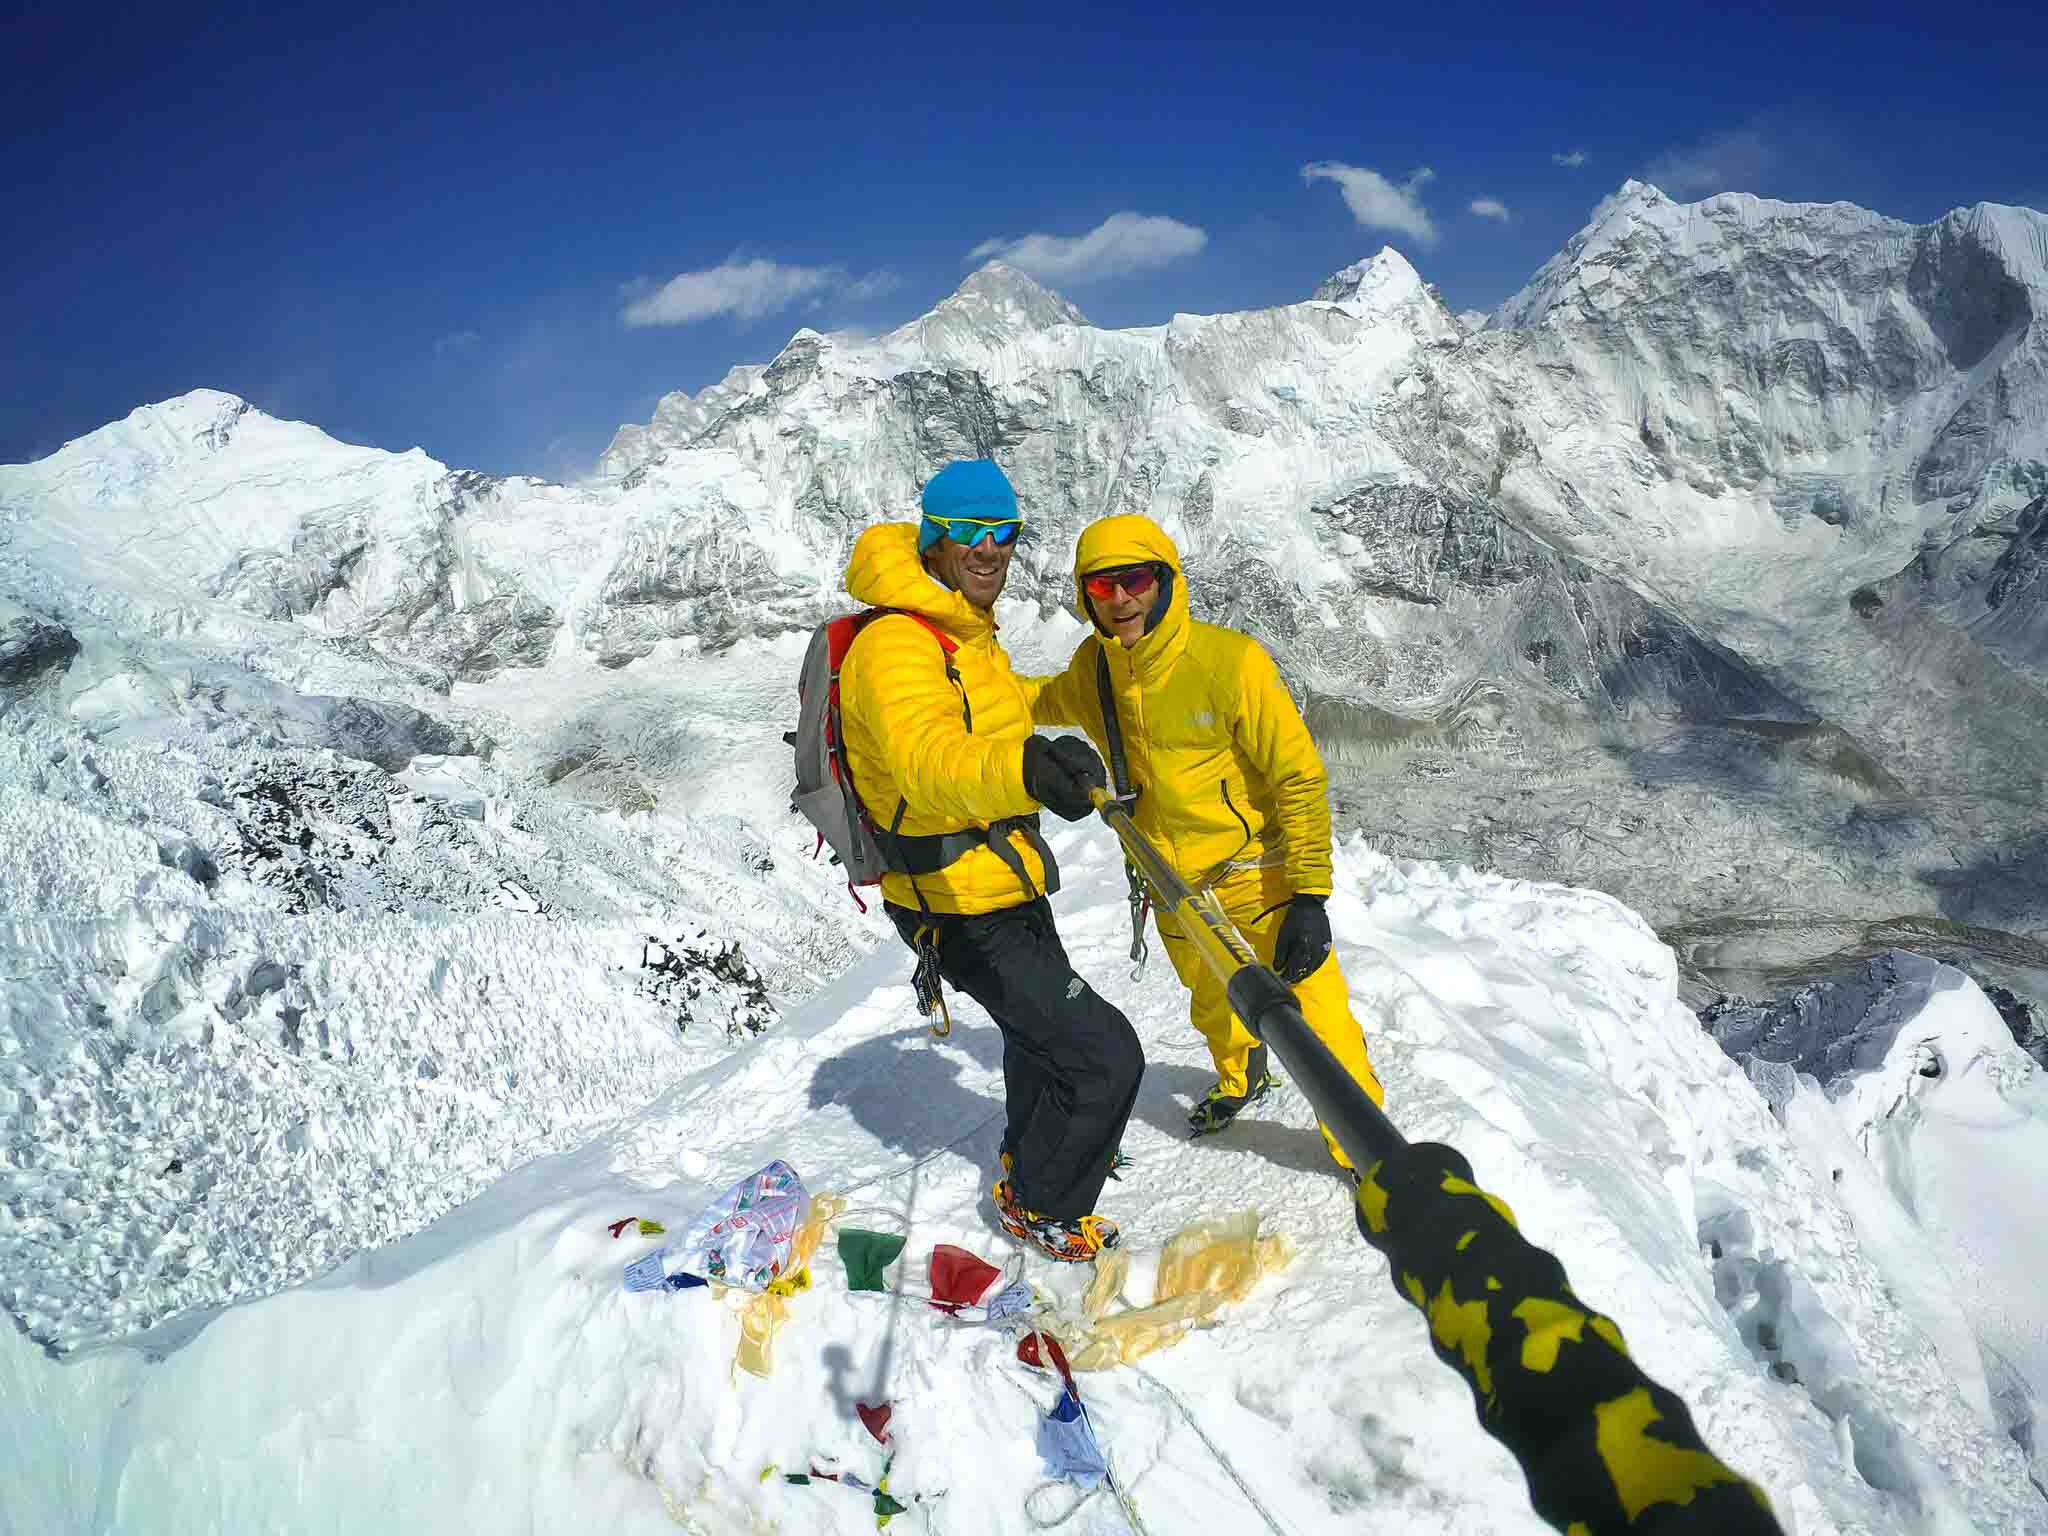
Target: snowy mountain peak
[2019, 237]
[1641, 232]
[1021, 300]
[201, 420]
[193, 406]
[1635, 192]
[1379, 282]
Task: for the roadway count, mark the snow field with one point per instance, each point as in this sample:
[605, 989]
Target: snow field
[1955, 1121]
[259, 1009]
[490, 1369]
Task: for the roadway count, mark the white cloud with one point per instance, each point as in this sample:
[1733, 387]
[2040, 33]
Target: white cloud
[1121, 244]
[1727, 162]
[1376, 202]
[873, 286]
[454, 342]
[1490, 208]
[746, 290]
[1571, 161]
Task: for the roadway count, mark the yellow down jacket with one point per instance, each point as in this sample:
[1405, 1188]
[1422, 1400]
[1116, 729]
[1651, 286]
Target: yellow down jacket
[1228, 778]
[907, 738]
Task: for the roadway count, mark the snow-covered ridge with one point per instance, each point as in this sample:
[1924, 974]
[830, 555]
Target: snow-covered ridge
[1901, 1080]
[1735, 407]
[1729, 407]
[1815, 361]
[207, 518]
[1534, 1027]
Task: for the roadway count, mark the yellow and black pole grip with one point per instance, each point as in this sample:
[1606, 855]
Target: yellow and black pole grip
[1605, 1448]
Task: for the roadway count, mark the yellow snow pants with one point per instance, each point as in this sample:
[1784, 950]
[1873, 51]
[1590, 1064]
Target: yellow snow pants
[1324, 997]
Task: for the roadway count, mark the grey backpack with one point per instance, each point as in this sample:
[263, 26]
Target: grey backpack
[825, 793]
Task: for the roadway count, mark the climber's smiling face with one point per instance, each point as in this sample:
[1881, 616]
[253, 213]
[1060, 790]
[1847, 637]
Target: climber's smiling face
[1121, 599]
[976, 571]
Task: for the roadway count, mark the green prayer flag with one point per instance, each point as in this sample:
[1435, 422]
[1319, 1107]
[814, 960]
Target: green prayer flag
[866, 1255]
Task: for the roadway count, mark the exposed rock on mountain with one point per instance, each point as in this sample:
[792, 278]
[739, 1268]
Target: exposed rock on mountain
[1815, 361]
[1695, 420]
[29, 650]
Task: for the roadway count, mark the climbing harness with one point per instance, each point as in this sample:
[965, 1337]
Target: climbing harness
[914, 856]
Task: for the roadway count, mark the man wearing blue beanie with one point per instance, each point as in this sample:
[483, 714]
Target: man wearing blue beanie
[939, 744]
[975, 489]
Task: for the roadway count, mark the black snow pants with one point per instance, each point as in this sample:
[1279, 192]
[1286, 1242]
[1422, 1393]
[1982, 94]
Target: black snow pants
[1071, 1061]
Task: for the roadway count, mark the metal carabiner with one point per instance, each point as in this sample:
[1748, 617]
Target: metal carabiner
[926, 982]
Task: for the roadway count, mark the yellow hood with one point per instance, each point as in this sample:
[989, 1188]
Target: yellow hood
[1133, 540]
[885, 572]
[1230, 779]
[942, 746]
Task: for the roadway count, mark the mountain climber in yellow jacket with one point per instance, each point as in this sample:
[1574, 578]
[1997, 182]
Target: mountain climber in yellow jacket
[1229, 786]
[939, 742]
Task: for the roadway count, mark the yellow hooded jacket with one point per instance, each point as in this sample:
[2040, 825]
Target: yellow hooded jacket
[1226, 772]
[907, 737]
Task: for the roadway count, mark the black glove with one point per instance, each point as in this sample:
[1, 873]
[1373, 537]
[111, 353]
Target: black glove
[1304, 942]
[1058, 773]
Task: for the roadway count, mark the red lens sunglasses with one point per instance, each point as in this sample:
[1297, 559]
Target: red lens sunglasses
[1134, 579]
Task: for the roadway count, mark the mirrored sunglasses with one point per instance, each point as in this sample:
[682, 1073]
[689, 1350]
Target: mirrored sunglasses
[970, 531]
[1134, 579]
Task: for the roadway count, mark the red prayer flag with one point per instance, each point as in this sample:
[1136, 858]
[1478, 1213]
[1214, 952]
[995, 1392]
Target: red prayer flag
[959, 1279]
[876, 1419]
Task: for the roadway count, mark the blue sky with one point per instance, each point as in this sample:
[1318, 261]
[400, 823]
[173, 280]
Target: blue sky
[423, 226]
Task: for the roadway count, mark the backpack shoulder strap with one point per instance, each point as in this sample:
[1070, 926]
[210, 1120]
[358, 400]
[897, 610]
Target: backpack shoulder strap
[1120, 780]
[1112, 729]
[868, 616]
[915, 855]
[947, 646]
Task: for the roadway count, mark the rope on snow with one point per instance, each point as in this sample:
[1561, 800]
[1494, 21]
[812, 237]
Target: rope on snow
[929, 1157]
[1214, 1450]
[1125, 1502]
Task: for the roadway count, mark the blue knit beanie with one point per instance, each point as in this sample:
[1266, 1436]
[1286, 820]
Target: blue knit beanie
[965, 488]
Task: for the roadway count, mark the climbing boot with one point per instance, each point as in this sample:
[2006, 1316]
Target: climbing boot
[1218, 1108]
[1068, 1242]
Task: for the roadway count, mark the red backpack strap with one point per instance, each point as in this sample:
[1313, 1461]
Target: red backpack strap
[947, 646]
[946, 642]
[868, 616]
